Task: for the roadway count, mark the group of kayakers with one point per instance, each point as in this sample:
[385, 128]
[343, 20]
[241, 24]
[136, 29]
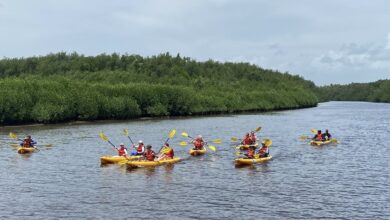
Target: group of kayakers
[322, 136]
[249, 138]
[147, 153]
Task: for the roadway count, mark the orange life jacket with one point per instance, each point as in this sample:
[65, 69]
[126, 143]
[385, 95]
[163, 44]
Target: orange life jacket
[27, 143]
[150, 155]
[250, 153]
[170, 153]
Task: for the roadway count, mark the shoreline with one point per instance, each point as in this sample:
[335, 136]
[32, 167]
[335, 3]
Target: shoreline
[145, 118]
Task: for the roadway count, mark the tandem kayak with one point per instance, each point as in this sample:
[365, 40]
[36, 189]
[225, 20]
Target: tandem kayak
[246, 147]
[320, 143]
[243, 161]
[25, 150]
[194, 152]
[116, 159]
[146, 163]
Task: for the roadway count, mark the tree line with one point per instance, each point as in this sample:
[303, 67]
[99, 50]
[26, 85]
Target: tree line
[378, 91]
[62, 87]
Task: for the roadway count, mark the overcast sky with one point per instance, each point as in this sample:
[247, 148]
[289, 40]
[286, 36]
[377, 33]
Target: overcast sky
[329, 41]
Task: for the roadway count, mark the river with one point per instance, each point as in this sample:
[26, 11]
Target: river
[345, 181]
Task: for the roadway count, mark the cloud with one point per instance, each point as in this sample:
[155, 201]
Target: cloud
[372, 55]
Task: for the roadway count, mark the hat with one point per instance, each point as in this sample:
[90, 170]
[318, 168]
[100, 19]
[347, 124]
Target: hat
[199, 136]
[140, 142]
[121, 144]
[148, 146]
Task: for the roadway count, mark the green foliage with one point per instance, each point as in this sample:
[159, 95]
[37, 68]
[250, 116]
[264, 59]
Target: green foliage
[62, 87]
[378, 91]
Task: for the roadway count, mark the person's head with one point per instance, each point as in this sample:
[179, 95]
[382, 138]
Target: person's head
[247, 134]
[326, 131]
[252, 133]
[140, 142]
[199, 137]
[319, 132]
[122, 145]
[166, 144]
[149, 147]
[28, 137]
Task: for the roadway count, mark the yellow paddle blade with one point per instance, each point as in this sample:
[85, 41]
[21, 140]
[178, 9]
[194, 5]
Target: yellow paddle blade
[103, 136]
[335, 141]
[258, 129]
[234, 139]
[183, 143]
[217, 141]
[314, 131]
[172, 133]
[238, 153]
[211, 147]
[48, 145]
[257, 156]
[185, 134]
[304, 137]
[126, 132]
[13, 135]
[267, 142]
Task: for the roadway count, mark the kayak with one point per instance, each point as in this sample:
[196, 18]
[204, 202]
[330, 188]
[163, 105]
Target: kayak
[116, 159]
[25, 150]
[146, 163]
[246, 147]
[243, 161]
[194, 152]
[320, 143]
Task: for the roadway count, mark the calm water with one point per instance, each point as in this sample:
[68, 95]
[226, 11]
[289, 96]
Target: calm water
[345, 181]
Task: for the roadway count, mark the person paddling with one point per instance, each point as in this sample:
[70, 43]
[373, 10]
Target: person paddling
[326, 135]
[28, 142]
[149, 153]
[318, 136]
[167, 152]
[263, 151]
[253, 137]
[198, 143]
[140, 148]
[122, 151]
[251, 152]
[247, 140]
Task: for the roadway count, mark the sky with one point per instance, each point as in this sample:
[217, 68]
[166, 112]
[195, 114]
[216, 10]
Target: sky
[327, 42]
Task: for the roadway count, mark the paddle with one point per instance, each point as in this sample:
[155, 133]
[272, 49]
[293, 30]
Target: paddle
[171, 134]
[211, 147]
[126, 133]
[215, 141]
[14, 136]
[105, 138]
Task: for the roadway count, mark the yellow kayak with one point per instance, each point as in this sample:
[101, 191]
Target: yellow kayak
[246, 147]
[25, 150]
[194, 152]
[116, 159]
[243, 161]
[146, 163]
[320, 143]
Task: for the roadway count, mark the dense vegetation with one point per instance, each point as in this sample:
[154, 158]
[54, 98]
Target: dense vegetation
[62, 87]
[378, 91]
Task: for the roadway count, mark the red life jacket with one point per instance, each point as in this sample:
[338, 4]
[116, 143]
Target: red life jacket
[253, 139]
[319, 137]
[122, 151]
[247, 140]
[263, 150]
[149, 155]
[251, 153]
[140, 148]
[198, 144]
[27, 143]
